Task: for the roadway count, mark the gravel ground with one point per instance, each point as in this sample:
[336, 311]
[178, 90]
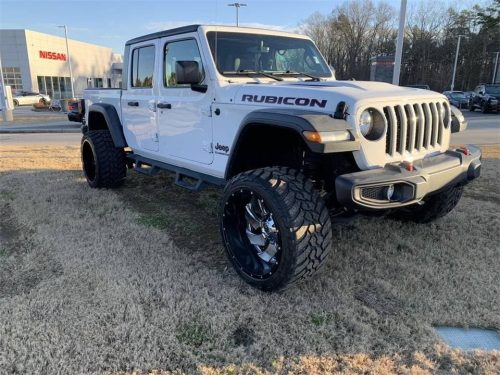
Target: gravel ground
[134, 281]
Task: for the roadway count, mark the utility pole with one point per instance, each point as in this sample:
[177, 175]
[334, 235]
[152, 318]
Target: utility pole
[456, 61]
[69, 60]
[399, 44]
[237, 6]
[6, 110]
[495, 69]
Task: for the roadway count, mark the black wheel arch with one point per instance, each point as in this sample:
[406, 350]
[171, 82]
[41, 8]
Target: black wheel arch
[103, 116]
[261, 128]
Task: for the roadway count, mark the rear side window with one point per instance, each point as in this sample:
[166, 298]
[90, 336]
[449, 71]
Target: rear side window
[143, 66]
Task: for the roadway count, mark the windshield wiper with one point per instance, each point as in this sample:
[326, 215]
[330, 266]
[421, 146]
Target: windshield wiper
[293, 72]
[252, 72]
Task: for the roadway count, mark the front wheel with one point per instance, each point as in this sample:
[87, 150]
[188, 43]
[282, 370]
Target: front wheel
[275, 227]
[432, 208]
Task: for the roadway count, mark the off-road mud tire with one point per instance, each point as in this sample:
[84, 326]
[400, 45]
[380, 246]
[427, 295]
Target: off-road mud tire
[109, 168]
[300, 215]
[434, 207]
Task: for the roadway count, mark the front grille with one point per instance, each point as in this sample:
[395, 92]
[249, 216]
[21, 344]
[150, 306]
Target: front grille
[415, 127]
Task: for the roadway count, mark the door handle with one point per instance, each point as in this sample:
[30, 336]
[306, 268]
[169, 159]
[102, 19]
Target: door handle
[133, 104]
[164, 105]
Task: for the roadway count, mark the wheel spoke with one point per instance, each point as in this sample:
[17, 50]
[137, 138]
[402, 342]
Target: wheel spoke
[271, 249]
[251, 217]
[262, 209]
[256, 239]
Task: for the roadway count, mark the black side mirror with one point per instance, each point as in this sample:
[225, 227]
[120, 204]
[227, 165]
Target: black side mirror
[187, 72]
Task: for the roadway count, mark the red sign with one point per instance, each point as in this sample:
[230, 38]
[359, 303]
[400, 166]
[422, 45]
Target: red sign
[52, 55]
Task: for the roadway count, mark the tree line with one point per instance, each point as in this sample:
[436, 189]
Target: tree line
[358, 30]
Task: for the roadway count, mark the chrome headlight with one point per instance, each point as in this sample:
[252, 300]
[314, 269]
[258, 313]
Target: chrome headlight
[372, 124]
[365, 122]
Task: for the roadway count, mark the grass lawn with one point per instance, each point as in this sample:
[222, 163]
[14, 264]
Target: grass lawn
[135, 281]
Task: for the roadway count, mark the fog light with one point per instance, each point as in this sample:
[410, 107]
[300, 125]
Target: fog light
[389, 192]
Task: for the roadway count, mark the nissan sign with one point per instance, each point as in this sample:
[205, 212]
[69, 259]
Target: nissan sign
[52, 55]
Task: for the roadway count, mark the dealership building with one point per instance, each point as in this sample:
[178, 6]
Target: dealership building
[33, 61]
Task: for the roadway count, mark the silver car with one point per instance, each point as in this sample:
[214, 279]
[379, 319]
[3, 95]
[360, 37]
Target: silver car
[30, 98]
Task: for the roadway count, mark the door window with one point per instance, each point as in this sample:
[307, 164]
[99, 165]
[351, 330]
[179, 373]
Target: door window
[183, 50]
[143, 65]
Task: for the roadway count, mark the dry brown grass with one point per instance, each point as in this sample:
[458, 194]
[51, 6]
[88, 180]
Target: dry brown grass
[135, 281]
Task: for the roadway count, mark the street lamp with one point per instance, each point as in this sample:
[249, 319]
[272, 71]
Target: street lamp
[399, 44]
[455, 65]
[237, 6]
[495, 69]
[69, 60]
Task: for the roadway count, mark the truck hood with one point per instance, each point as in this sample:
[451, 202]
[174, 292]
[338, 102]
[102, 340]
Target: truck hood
[325, 95]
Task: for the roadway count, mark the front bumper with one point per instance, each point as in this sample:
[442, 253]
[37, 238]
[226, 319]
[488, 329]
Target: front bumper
[396, 185]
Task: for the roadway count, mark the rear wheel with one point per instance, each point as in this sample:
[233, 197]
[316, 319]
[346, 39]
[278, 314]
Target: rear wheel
[275, 227]
[433, 207]
[103, 164]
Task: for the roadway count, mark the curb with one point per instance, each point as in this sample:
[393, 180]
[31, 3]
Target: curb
[21, 131]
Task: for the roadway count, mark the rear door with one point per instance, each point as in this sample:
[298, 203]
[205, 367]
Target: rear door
[138, 100]
[184, 115]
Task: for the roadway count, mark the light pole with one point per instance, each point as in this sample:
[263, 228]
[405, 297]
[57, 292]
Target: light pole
[237, 6]
[495, 69]
[6, 110]
[399, 44]
[456, 61]
[69, 60]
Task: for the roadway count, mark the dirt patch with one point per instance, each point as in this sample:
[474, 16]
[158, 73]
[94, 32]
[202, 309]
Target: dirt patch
[135, 296]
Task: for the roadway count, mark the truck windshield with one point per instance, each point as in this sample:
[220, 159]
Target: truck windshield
[277, 55]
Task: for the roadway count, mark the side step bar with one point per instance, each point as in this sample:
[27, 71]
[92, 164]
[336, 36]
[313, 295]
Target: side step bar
[183, 176]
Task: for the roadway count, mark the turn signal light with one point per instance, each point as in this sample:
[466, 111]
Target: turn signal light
[312, 136]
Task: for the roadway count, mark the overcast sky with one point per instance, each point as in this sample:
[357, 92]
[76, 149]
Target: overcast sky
[111, 22]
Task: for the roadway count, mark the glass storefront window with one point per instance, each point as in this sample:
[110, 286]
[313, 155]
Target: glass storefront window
[12, 77]
[55, 87]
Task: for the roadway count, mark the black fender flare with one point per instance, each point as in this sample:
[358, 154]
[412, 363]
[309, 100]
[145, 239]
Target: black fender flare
[113, 122]
[299, 121]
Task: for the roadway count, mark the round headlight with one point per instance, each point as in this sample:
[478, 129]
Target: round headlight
[372, 124]
[365, 122]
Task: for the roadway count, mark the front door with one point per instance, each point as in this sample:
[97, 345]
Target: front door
[138, 98]
[184, 115]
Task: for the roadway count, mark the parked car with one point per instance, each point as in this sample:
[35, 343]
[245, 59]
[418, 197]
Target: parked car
[486, 97]
[423, 87]
[30, 98]
[457, 98]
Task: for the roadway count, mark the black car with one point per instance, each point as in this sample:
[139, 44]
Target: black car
[457, 99]
[486, 97]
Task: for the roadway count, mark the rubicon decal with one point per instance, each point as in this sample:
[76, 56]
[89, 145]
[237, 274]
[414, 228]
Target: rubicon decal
[288, 100]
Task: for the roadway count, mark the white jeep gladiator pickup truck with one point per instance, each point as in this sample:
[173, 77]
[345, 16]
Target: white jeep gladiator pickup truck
[260, 113]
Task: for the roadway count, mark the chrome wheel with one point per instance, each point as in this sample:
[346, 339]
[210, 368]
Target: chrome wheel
[251, 234]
